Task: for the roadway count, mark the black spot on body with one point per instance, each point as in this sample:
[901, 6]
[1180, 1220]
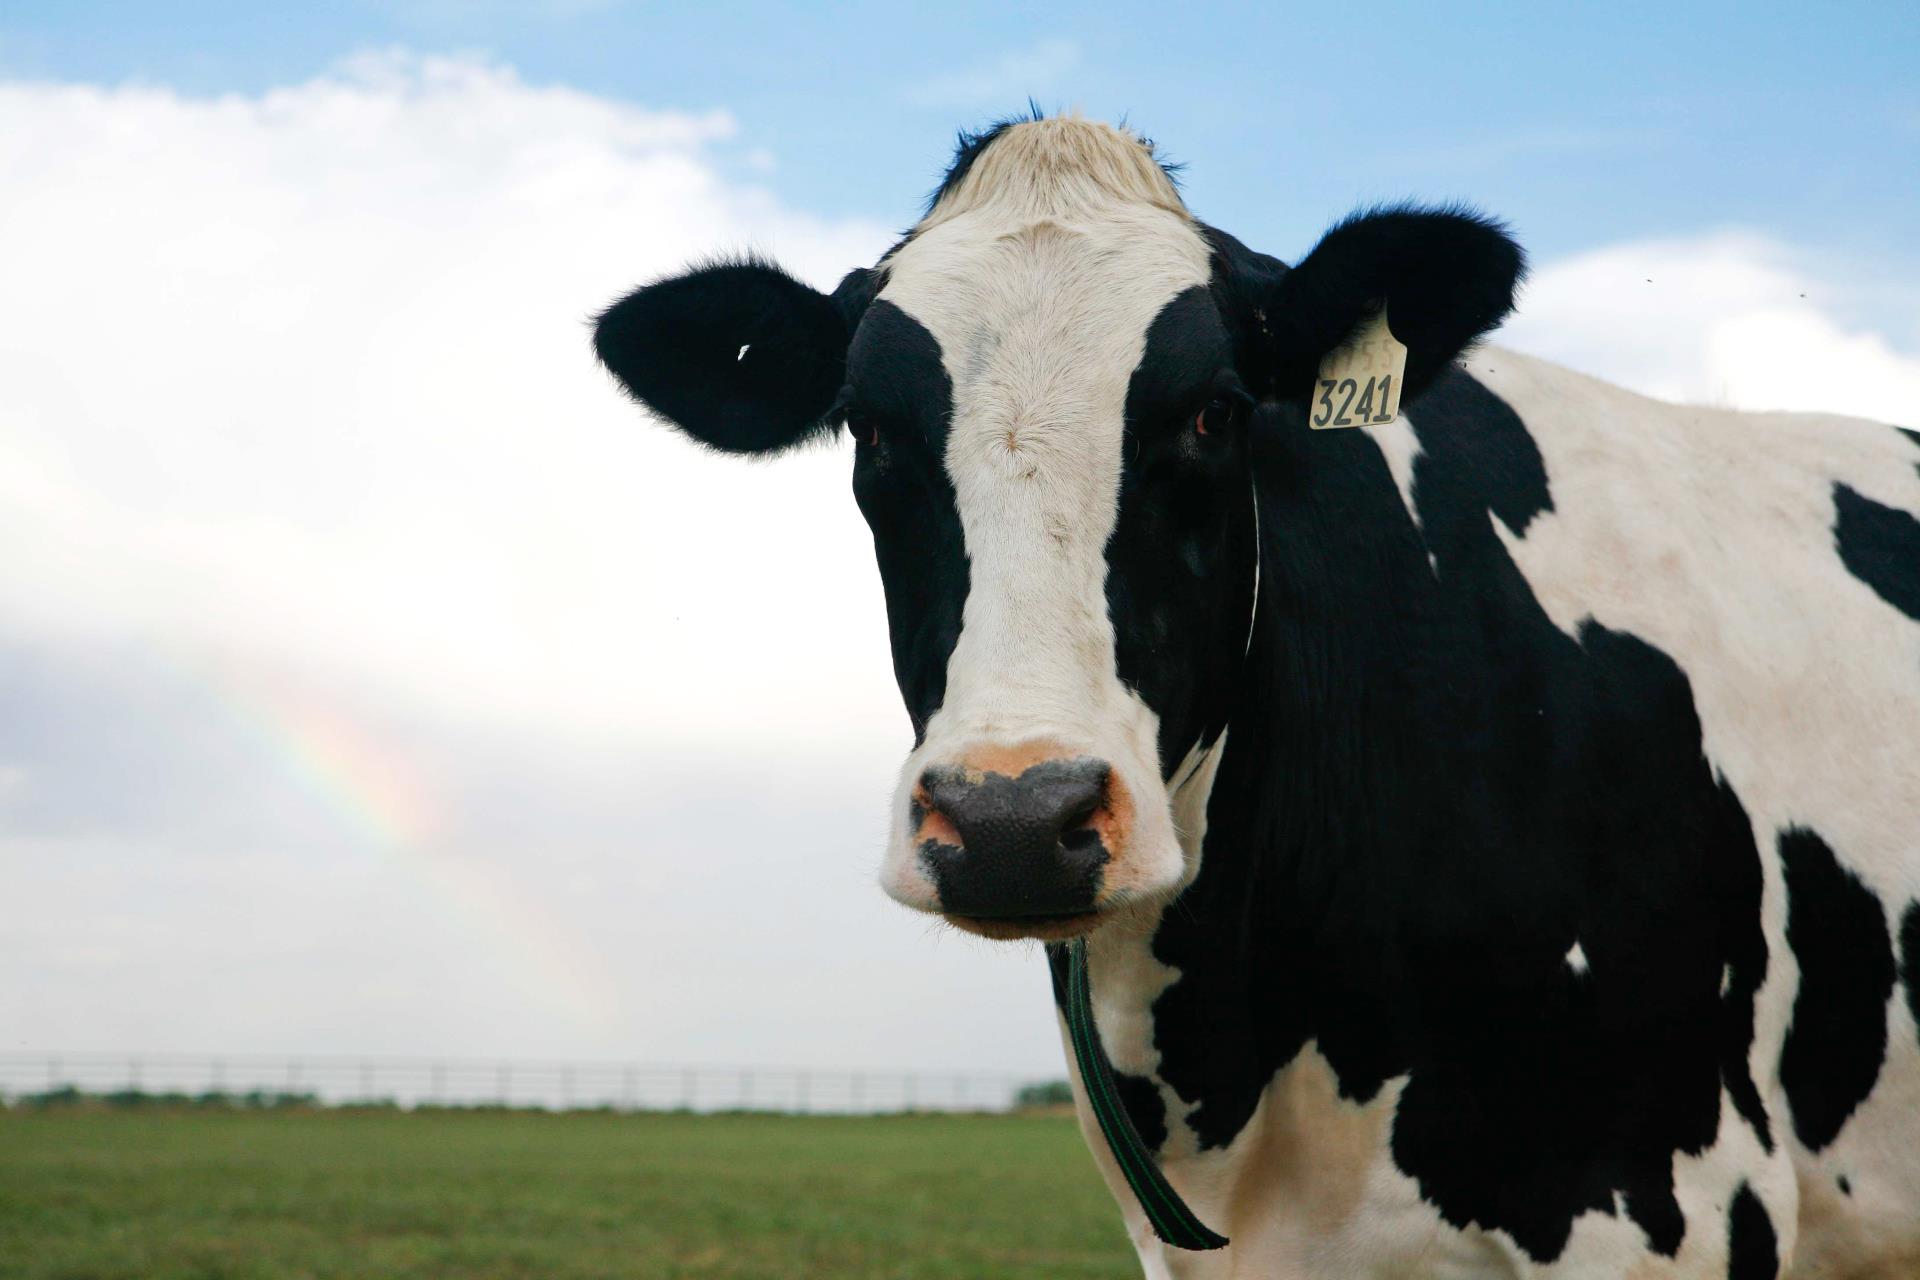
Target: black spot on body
[1141, 1097]
[1838, 1036]
[1753, 1250]
[1430, 793]
[1846, 1187]
[1910, 958]
[1880, 545]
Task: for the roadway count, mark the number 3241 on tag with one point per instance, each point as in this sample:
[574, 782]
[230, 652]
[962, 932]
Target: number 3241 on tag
[1346, 402]
[1359, 383]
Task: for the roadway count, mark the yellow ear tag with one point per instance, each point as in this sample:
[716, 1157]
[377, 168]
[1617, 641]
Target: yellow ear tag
[1360, 379]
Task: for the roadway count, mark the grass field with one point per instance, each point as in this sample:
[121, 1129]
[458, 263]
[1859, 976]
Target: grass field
[119, 1195]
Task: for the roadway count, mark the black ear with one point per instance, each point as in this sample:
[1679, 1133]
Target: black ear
[1445, 276]
[739, 355]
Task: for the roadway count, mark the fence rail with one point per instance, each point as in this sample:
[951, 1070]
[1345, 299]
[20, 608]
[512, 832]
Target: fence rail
[411, 1082]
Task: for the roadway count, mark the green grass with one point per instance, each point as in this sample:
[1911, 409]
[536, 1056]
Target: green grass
[94, 1194]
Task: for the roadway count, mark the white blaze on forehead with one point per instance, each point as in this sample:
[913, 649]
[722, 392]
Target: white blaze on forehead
[1040, 327]
[1040, 294]
[1040, 275]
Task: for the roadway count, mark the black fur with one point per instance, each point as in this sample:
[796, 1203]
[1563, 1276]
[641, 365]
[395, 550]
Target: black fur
[1838, 1036]
[900, 398]
[1428, 796]
[1180, 560]
[1753, 1248]
[1910, 958]
[1880, 545]
[739, 355]
[1446, 276]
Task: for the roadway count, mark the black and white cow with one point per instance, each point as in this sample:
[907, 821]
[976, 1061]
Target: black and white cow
[1497, 833]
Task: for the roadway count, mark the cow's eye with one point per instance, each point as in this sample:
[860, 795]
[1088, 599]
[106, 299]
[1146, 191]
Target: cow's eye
[864, 430]
[1221, 415]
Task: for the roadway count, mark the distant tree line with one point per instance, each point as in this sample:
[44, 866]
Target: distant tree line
[1044, 1093]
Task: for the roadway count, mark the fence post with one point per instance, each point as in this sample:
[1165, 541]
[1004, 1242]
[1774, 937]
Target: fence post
[690, 1086]
[503, 1084]
[366, 1082]
[566, 1088]
[438, 1078]
[800, 1093]
[629, 1091]
[53, 1072]
[859, 1089]
[912, 1091]
[133, 1074]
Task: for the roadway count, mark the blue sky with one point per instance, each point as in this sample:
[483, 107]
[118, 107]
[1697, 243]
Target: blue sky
[1581, 123]
[367, 659]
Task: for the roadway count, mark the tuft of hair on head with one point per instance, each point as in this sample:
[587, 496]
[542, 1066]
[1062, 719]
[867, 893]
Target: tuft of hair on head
[1051, 164]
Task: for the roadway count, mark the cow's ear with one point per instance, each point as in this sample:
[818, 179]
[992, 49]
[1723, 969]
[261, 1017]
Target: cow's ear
[739, 355]
[1445, 277]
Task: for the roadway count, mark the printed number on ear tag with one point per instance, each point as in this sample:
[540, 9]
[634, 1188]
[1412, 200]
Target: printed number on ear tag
[1360, 380]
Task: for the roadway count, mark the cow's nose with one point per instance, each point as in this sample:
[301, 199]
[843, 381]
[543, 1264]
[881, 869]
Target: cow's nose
[1003, 847]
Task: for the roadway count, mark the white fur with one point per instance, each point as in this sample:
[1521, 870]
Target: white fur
[1039, 283]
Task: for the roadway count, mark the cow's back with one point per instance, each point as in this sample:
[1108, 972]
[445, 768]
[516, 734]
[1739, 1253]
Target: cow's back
[1775, 558]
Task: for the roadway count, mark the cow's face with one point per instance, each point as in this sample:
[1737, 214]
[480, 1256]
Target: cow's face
[1052, 387]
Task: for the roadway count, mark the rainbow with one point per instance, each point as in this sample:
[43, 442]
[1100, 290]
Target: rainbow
[386, 803]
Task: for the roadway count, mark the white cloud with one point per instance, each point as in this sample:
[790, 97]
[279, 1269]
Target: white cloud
[1003, 82]
[305, 378]
[302, 442]
[1730, 318]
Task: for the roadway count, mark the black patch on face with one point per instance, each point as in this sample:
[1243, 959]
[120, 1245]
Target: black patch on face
[1139, 1095]
[1838, 1036]
[1180, 560]
[1846, 1187]
[1430, 794]
[1910, 958]
[1880, 545]
[1753, 1250]
[899, 394]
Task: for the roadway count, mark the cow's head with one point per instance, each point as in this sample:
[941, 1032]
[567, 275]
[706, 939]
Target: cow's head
[1052, 385]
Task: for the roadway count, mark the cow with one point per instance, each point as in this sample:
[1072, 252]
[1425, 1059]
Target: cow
[1493, 832]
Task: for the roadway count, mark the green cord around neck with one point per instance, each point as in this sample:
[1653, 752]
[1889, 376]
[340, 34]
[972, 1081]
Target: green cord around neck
[1172, 1221]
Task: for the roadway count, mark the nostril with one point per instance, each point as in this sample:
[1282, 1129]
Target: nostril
[1082, 839]
[1082, 814]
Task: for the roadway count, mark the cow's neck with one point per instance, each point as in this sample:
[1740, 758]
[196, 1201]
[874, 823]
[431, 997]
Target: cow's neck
[1336, 750]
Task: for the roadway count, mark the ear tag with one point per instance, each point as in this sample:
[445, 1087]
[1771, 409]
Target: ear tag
[1360, 379]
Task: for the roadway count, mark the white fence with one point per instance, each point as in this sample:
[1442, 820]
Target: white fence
[412, 1082]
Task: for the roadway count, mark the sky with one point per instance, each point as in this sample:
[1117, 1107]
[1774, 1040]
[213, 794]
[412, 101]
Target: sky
[375, 679]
